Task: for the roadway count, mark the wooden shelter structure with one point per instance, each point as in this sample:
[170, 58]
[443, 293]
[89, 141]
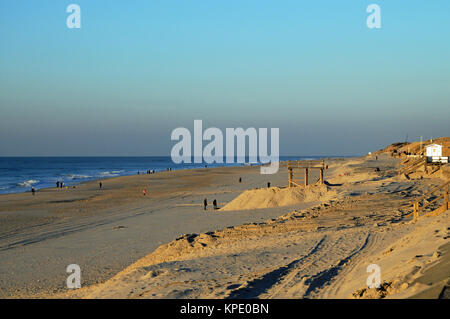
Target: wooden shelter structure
[294, 166]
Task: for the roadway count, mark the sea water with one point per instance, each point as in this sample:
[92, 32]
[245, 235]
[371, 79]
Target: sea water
[19, 174]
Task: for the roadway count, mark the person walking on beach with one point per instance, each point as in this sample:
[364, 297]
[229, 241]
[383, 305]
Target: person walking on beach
[144, 192]
[57, 184]
[240, 180]
[205, 203]
[100, 185]
[33, 191]
[215, 204]
[268, 185]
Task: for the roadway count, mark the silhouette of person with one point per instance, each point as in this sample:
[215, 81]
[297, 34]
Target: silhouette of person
[205, 203]
[100, 185]
[240, 179]
[215, 204]
[268, 185]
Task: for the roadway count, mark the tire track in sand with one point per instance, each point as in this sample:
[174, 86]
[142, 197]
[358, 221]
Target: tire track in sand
[301, 277]
[260, 285]
[323, 278]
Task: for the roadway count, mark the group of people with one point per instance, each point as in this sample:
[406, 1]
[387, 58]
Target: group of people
[150, 171]
[205, 204]
[58, 185]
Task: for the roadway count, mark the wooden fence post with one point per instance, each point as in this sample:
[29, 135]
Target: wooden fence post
[446, 205]
[290, 176]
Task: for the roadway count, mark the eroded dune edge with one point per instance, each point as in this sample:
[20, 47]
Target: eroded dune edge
[322, 252]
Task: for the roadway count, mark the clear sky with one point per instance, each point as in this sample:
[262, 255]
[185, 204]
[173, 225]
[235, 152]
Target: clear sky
[136, 70]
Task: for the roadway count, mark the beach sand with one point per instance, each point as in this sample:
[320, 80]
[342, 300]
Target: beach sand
[106, 230]
[262, 243]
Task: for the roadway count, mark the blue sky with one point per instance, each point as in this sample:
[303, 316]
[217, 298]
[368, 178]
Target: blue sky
[136, 70]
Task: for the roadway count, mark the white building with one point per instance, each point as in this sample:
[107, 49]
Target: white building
[433, 150]
[434, 154]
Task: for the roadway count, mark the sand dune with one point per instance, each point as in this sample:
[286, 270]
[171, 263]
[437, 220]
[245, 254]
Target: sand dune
[278, 197]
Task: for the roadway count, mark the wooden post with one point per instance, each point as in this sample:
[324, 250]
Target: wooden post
[306, 177]
[446, 204]
[290, 176]
[321, 176]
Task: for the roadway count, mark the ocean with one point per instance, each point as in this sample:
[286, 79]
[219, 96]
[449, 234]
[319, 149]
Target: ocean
[19, 174]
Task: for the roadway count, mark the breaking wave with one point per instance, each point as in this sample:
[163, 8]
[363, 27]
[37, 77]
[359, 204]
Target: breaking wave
[28, 183]
[75, 176]
[109, 174]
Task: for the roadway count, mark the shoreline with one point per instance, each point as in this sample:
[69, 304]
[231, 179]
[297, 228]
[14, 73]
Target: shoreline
[215, 165]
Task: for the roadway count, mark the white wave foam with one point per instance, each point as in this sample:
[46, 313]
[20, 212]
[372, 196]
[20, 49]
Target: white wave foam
[76, 176]
[28, 183]
[108, 174]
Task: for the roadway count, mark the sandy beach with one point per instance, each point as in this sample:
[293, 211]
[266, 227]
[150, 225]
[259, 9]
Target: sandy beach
[140, 143]
[106, 230]
[263, 242]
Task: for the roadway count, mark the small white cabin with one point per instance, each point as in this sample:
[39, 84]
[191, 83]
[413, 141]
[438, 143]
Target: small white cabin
[433, 150]
[434, 154]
